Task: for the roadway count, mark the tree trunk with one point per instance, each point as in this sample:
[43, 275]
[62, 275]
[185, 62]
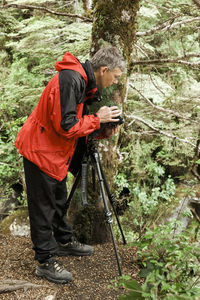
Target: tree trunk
[114, 24]
[87, 4]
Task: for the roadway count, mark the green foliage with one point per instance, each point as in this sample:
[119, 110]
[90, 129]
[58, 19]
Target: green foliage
[8, 153]
[135, 289]
[151, 190]
[147, 201]
[31, 43]
[169, 264]
[121, 183]
[150, 163]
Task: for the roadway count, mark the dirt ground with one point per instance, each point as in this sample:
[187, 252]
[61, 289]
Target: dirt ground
[93, 276]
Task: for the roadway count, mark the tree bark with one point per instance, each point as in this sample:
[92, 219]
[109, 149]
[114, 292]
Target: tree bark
[114, 23]
[87, 4]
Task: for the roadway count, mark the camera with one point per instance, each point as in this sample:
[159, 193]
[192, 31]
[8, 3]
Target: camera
[109, 124]
[115, 124]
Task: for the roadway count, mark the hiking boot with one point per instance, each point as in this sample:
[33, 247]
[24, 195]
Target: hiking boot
[53, 271]
[74, 248]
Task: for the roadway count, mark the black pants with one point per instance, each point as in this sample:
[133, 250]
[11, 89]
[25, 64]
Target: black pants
[46, 205]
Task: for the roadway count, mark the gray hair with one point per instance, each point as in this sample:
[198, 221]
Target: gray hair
[109, 57]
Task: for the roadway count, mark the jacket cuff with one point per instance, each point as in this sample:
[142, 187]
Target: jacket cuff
[97, 117]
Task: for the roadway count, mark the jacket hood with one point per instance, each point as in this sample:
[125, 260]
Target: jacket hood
[70, 62]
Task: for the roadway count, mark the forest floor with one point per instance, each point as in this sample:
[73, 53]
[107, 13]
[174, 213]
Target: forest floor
[94, 277]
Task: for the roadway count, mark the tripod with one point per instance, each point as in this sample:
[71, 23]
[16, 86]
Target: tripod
[93, 156]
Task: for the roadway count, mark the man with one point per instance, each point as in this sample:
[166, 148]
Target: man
[47, 142]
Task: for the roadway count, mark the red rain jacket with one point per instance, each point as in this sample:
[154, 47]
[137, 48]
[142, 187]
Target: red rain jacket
[42, 139]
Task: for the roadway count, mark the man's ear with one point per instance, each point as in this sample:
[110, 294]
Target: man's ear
[103, 69]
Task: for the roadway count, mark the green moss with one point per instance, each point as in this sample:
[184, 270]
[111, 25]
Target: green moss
[20, 215]
[115, 23]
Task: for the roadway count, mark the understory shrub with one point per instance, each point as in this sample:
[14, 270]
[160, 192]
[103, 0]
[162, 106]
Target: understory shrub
[170, 266]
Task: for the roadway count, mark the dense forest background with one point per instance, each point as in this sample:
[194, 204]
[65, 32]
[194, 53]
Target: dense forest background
[157, 159]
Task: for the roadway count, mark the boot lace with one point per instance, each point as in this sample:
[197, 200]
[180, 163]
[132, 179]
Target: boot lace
[75, 242]
[57, 266]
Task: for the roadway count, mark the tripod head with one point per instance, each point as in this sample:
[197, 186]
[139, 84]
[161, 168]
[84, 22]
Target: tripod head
[91, 147]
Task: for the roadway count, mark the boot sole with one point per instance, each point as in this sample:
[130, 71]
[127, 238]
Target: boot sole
[65, 253]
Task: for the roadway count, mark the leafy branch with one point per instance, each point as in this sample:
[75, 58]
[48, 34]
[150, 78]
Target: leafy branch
[169, 135]
[159, 108]
[161, 61]
[24, 6]
[164, 27]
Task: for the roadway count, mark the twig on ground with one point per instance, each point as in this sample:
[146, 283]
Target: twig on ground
[10, 285]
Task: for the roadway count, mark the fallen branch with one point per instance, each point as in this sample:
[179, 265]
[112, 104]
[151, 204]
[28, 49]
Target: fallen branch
[24, 6]
[10, 285]
[169, 111]
[172, 136]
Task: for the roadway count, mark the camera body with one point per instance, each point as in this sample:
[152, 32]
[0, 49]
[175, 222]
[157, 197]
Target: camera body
[114, 124]
[109, 124]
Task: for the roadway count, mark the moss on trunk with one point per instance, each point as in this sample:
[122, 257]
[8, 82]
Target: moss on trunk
[115, 23]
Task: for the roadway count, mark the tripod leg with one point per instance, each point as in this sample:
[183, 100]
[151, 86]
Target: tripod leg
[107, 211]
[111, 197]
[84, 182]
[73, 190]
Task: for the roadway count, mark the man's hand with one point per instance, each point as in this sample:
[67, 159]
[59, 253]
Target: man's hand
[108, 114]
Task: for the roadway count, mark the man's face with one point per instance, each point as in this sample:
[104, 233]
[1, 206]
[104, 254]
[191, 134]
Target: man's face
[107, 78]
